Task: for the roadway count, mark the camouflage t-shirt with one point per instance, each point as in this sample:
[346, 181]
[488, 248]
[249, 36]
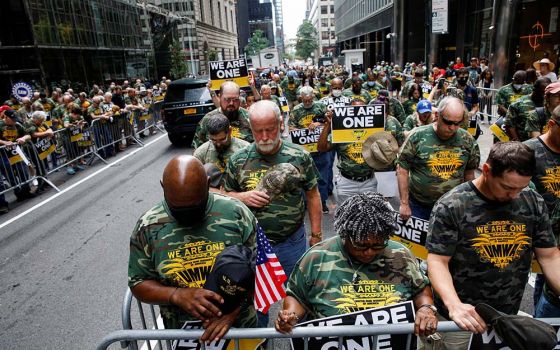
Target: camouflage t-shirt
[396, 109]
[535, 122]
[490, 244]
[393, 126]
[207, 153]
[547, 180]
[11, 132]
[411, 122]
[31, 128]
[363, 95]
[324, 90]
[323, 279]
[436, 166]
[517, 115]
[164, 251]
[240, 128]
[373, 89]
[410, 106]
[507, 95]
[290, 89]
[285, 213]
[301, 117]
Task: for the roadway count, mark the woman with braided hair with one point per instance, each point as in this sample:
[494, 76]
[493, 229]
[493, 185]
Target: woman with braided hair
[357, 270]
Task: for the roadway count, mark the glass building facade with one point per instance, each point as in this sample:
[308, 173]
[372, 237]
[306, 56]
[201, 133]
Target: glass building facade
[93, 41]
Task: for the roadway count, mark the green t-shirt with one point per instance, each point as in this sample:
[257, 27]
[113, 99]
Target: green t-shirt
[436, 166]
[285, 213]
[207, 153]
[535, 122]
[507, 95]
[517, 115]
[240, 128]
[290, 89]
[547, 180]
[411, 122]
[323, 279]
[363, 95]
[373, 89]
[11, 132]
[324, 90]
[490, 244]
[410, 106]
[31, 128]
[301, 117]
[164, 251]
[396, 109]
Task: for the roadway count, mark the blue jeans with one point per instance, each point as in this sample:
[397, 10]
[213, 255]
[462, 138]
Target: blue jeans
[288, 253]
[419, 210]
[330, 179]
[322, 162]
[545, 309]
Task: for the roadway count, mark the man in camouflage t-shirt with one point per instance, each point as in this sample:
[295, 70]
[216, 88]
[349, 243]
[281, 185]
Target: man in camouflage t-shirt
[517, 114]
[221, 145]
[174, 245]
[230, 107]
[434, 159]
[537, 119]
[281, 217]
[512, 92]
[481, 240]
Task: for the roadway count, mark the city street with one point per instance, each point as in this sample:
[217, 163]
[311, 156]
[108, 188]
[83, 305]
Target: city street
[64, 264]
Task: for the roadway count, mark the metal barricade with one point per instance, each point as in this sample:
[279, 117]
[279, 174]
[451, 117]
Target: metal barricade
[487, 106]
[147, 120]
[20, 167]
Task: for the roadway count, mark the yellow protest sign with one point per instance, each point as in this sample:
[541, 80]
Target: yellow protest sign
[357, 123]
[306, 138]
[230, 70]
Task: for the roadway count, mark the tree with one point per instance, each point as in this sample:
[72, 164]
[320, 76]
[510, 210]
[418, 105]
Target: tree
[306, 40]
[256, 43]
[178, 66]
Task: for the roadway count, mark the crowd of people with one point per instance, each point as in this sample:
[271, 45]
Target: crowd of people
[37, 121]
[246, 175]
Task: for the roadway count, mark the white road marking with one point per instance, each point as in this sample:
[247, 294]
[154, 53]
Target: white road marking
[30, 210]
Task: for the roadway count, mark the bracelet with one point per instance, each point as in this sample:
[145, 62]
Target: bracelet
[430, 306]
[171, 295]
[318, 235]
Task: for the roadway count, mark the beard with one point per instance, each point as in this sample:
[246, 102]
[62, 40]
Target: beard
[266, 147]
[231, 115]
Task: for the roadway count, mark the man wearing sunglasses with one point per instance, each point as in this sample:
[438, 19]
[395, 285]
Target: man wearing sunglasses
[174, 244]
[230, 106]
[434, 159]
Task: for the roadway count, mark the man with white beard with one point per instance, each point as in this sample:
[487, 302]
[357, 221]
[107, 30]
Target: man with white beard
[280, 213]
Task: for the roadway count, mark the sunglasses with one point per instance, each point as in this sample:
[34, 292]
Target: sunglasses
[450, 122]
[363, 247]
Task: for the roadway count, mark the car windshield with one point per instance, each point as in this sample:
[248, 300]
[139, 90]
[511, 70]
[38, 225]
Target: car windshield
[185, 94]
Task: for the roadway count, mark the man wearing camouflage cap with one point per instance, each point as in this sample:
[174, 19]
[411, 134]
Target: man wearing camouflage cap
[434, 159]
[174, 245]
[481, 240]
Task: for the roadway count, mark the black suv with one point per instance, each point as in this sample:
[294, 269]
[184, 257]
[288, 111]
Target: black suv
[186, 102]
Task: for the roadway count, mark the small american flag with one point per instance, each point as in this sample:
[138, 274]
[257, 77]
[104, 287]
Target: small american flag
[270, 275]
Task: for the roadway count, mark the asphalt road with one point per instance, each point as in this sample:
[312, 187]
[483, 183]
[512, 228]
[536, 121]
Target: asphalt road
[63, 265]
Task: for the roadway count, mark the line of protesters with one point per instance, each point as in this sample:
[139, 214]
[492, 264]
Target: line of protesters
[39, 122]
[483, 230]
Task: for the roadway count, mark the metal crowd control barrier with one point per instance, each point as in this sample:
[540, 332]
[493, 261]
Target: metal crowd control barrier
[487, 106]
[21, 166]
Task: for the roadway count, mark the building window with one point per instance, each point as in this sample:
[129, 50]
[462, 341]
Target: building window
[324, 9]
[212, 12]
[324, 22]
[332, 9]
[325, 35]
[226, 24]
[201, 3]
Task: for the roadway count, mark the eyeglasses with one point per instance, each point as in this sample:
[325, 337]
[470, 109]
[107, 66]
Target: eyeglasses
[359, 246]
[231, 99]
[450, 122]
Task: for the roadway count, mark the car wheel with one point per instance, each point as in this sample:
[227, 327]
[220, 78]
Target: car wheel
[176, 140]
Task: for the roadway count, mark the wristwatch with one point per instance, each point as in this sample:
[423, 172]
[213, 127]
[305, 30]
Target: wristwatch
[430, 306]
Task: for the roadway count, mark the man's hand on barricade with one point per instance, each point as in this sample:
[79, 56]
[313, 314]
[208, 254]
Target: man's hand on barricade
[404, 211]
[217, 327]
[21, 141]
[198, 302]
[426, 322]
[255, 199]
[465, 316]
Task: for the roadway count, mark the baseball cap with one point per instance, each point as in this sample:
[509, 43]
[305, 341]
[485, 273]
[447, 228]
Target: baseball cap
[214, 174]
[4, 108]
[552, 88]
[232, 276]
[280, 178]
[423, 106]
[519, 332]
[10, 113]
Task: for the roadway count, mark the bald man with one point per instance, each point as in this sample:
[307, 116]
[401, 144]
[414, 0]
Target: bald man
[434, 159]
[230, 106]
[175, 243]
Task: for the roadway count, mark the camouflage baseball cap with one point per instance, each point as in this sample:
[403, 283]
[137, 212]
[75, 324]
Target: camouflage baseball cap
[380, 150]
[232, 276]
[281, 178]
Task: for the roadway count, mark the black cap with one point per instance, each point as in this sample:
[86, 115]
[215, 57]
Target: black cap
[519, 332]
[232, 276]
[10, 113]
